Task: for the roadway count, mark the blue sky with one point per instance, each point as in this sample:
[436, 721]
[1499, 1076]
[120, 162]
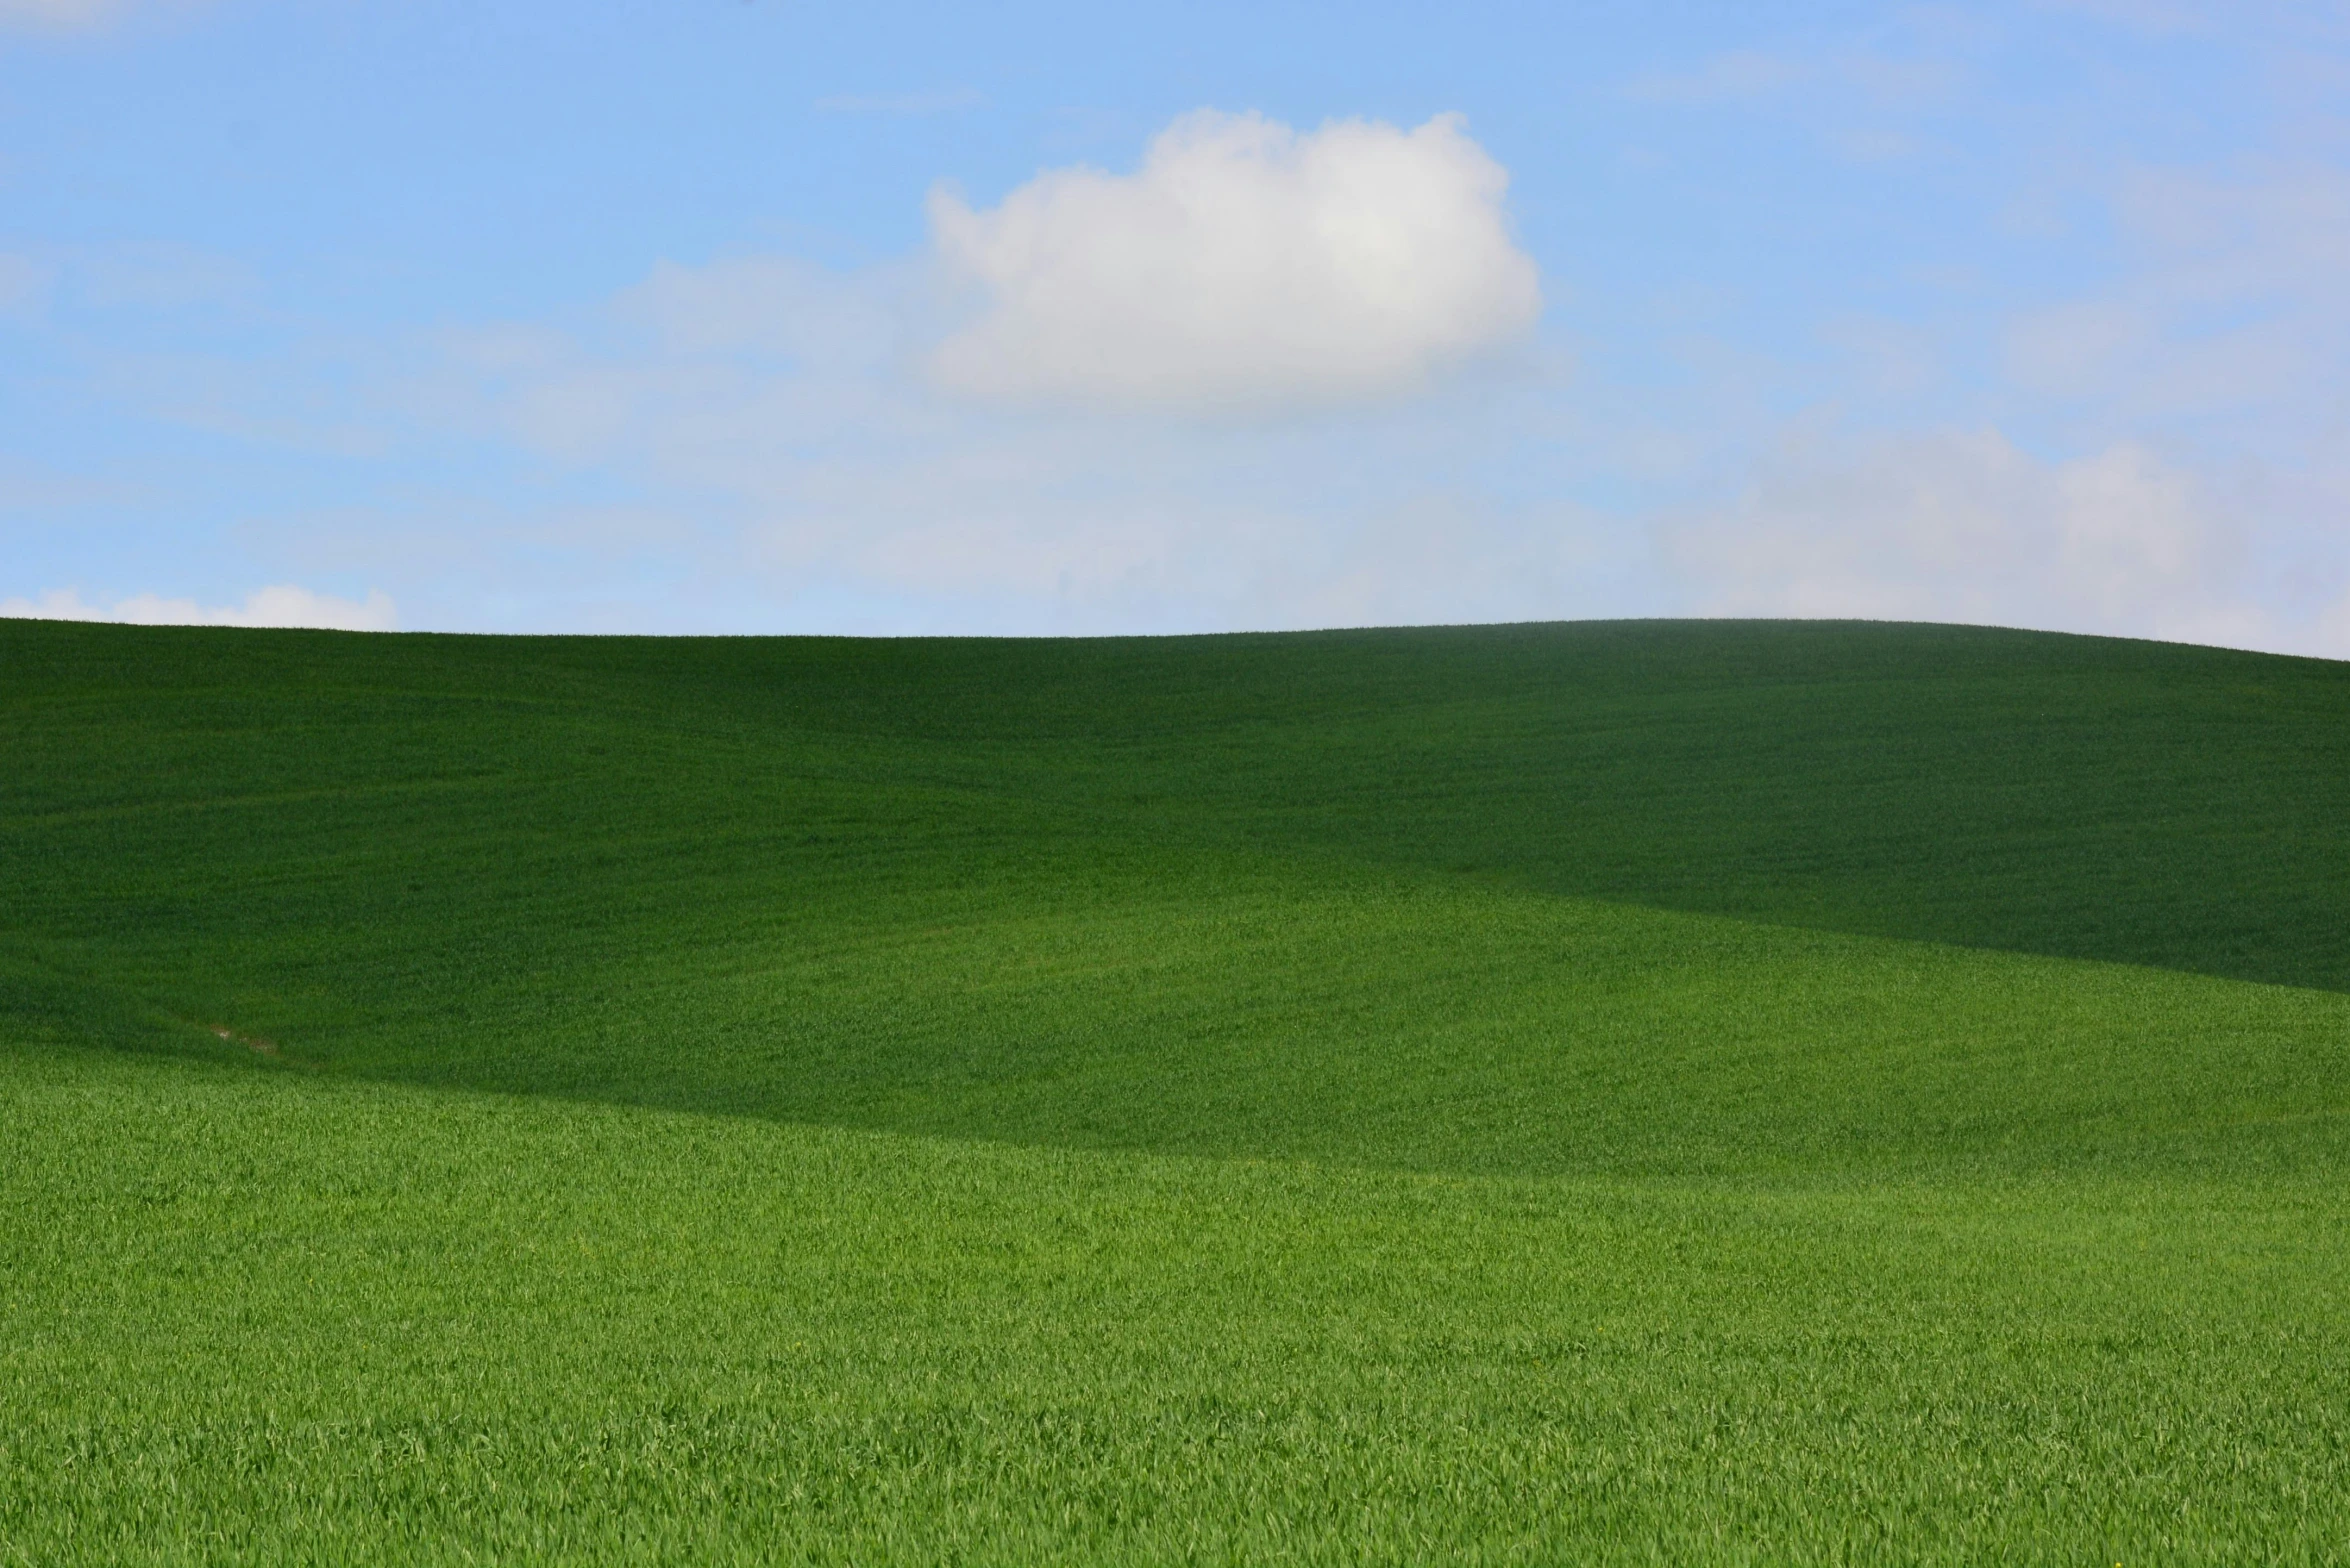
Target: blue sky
[739, 316]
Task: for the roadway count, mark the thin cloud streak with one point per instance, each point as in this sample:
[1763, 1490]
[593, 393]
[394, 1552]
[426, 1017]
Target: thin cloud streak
[282, 605]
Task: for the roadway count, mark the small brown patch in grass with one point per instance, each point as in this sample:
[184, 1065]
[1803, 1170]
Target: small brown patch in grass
[253, 1043]
[260, 1047]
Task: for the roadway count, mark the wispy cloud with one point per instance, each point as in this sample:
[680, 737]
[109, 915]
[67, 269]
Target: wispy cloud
[284, 604]
[1962, 525]
[156, 279]
[61, 14]
[71, 16]
[2235, 300]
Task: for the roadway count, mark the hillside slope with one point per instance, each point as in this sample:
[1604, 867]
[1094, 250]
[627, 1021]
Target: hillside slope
[1608, 1093]
[1642, 897]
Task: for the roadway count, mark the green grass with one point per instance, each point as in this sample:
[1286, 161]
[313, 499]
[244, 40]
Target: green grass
[1644, 1093]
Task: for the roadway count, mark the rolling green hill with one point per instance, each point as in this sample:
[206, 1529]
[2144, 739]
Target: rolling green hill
[1638, 1092]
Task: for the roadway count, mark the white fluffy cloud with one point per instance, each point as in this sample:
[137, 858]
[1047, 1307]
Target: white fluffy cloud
[1245, 265]
[282, 605]
[1964, 526]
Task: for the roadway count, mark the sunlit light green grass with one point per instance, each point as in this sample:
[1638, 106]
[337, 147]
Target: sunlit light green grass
[1601, 1093]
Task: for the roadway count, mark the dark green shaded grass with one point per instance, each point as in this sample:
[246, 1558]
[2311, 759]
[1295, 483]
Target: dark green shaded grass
[2137, 802]
[1616, 1093]
[1209, 893]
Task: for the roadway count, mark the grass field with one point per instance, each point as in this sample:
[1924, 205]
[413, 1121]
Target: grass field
[1650, 1092]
